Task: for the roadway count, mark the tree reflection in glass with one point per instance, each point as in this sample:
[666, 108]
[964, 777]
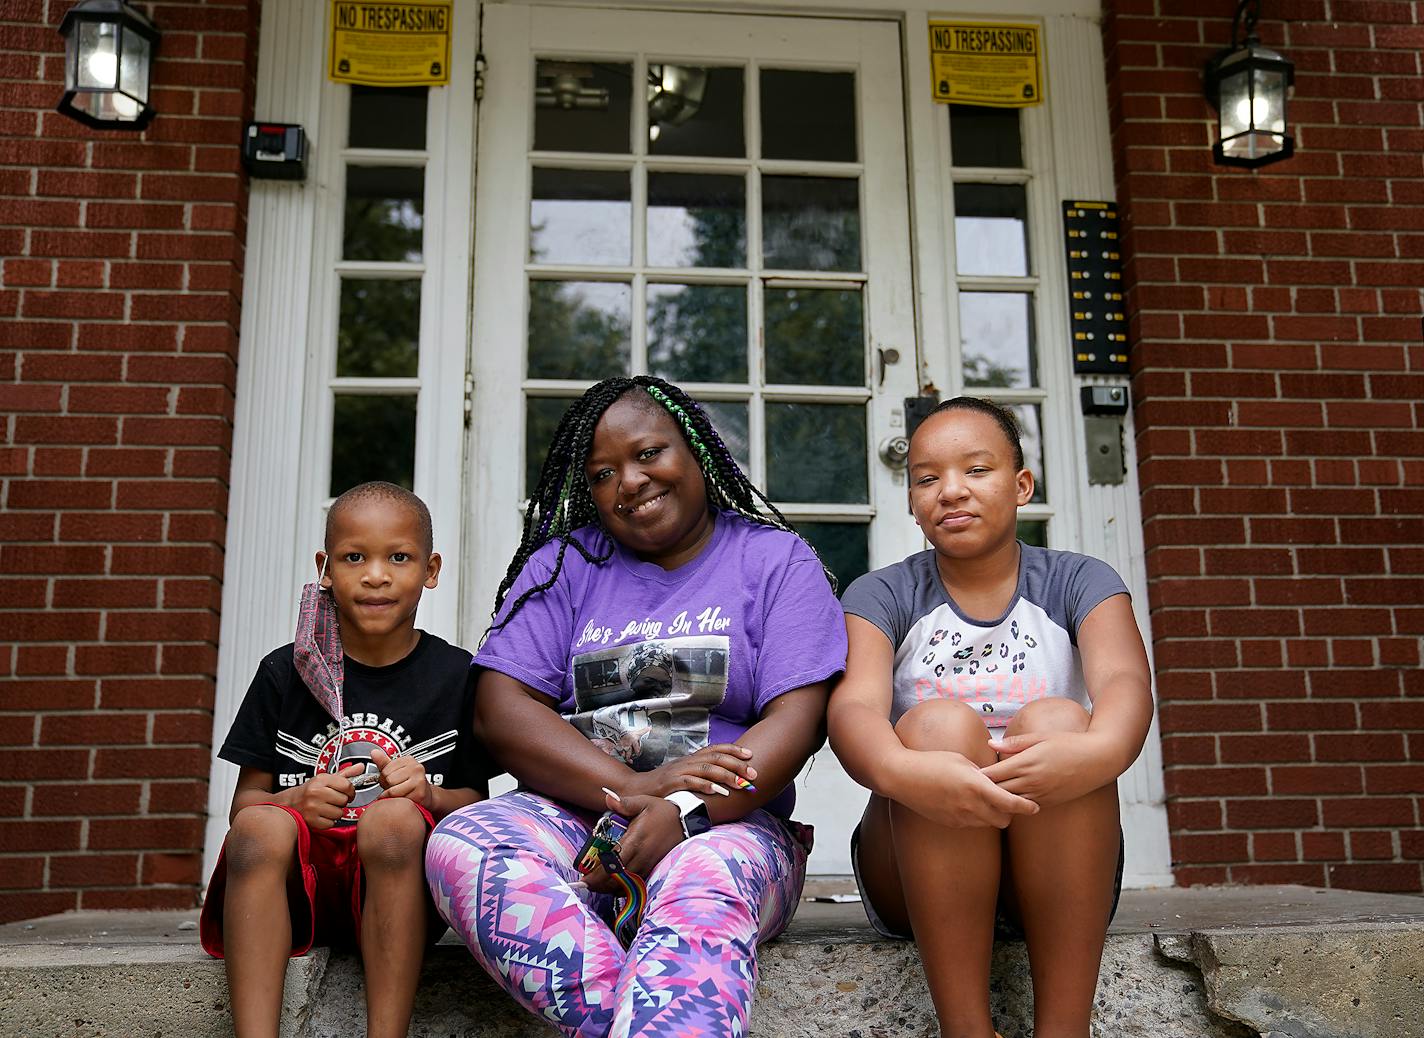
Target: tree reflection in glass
[698, 333]
[384, 217]
[372, 437]
[996, 333]
[579, 329]
[816, 452]
[815, 336]
[378, 330]
[811, 223]
[696, 220]
[843, 547]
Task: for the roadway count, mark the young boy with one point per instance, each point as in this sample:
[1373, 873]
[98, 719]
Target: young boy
[330, 815]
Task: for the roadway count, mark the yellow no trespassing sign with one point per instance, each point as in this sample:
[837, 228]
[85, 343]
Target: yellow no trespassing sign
[996, 66]
[389, 43]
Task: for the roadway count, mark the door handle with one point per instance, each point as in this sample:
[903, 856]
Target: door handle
[895, 451]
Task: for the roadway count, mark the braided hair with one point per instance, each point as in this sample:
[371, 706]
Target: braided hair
[561, 502]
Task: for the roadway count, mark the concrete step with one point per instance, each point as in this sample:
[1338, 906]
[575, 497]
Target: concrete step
[1224, 962]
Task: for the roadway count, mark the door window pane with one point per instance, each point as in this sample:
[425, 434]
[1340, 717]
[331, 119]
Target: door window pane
[815, 336]
[1031, 436]
[811, 223]
[816, 452]
[579, 329]
[1033, 531]
[385, 213]
[542, 414]
[695, 111]
[698, 333]
[378, 332]
[843, 547]
[580, 216]
[808, 115]
[990, 229]
[372, 437]
[996, 331]
[388, 117]
[985, 136]
[582, 106]
[729, 418]
[696, 220]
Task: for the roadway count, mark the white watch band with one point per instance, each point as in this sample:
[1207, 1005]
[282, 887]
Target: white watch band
[685, 801]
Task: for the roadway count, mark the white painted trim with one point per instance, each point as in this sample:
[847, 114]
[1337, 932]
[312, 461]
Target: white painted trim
[266, 497]
[1109, 517]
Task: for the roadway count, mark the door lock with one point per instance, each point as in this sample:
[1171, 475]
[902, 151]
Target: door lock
[895, 451]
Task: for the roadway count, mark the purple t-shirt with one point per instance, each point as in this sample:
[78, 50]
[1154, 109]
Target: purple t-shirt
[653, 664]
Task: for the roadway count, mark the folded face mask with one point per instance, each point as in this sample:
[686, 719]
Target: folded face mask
[317, 653]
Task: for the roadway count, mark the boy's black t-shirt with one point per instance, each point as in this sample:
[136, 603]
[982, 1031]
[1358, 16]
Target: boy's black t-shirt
[422, 706]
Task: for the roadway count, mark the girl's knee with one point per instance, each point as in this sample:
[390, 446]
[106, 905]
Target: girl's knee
[391, 835]
[944, 724]
[261, 837]
[1051, 714]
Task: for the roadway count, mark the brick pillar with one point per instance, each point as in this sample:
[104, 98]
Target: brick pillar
[1278, 379]
[119, 302]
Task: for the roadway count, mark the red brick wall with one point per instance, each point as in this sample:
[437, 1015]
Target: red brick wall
[119, 300]
[1278, 379]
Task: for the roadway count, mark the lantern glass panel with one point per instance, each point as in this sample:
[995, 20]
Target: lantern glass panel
[1269, 103]
[133, 66]
[98, 56]
[1235, 104]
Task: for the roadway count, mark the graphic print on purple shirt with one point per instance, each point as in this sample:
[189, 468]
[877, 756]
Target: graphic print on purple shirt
[650, 702]
[654, 664]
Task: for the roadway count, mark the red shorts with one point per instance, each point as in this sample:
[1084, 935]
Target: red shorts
[330, 913]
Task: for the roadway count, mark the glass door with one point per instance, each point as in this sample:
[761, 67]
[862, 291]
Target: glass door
[721, 201]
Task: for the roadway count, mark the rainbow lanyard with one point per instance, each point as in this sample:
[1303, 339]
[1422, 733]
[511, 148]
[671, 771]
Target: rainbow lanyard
[602, 849]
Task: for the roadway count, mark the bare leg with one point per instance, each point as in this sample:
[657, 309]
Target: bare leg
[262, 873]
[1062, 862]
[942, 881]
[390, 841]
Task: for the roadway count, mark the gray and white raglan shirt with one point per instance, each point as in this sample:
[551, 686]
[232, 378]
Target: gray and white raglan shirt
[994, 666]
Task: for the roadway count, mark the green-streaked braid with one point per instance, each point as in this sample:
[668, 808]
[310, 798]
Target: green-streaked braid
[561, 502]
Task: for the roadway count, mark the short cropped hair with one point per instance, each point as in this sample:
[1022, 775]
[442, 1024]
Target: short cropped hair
[378, 490]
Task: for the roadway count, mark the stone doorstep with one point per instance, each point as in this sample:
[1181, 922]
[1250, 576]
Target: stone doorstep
[1217, 962]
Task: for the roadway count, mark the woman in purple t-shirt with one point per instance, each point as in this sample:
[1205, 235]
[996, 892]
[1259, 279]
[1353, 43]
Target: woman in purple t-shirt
[661, 649]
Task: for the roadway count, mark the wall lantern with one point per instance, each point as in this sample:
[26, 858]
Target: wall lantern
[108, 57]
[1248, 85]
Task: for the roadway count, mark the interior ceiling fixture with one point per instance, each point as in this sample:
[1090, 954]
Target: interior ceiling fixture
[563, 87]
[1248, 85]
[674, 95]
[108, 61]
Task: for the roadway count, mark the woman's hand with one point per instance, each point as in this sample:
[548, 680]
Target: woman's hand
[654, 828]
[948, 789]
[712, 769]
[1052, 767]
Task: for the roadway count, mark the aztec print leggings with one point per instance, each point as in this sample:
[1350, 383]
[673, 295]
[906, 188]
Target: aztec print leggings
[500, 872]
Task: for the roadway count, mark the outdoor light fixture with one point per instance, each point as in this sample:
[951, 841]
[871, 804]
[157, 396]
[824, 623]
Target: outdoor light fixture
[108, 58]
[1248, 85]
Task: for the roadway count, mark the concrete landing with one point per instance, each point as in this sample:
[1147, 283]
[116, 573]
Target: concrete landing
[1224, 962]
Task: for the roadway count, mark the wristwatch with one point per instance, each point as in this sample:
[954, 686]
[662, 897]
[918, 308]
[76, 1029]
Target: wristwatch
[692, 812]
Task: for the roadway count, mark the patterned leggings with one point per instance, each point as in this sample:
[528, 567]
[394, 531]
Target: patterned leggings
[500, 873]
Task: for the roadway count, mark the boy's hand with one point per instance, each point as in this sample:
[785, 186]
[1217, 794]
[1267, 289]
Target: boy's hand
[404, 777]
[720, 768]
[1051, 767]
[949, 789]
[322, 799]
